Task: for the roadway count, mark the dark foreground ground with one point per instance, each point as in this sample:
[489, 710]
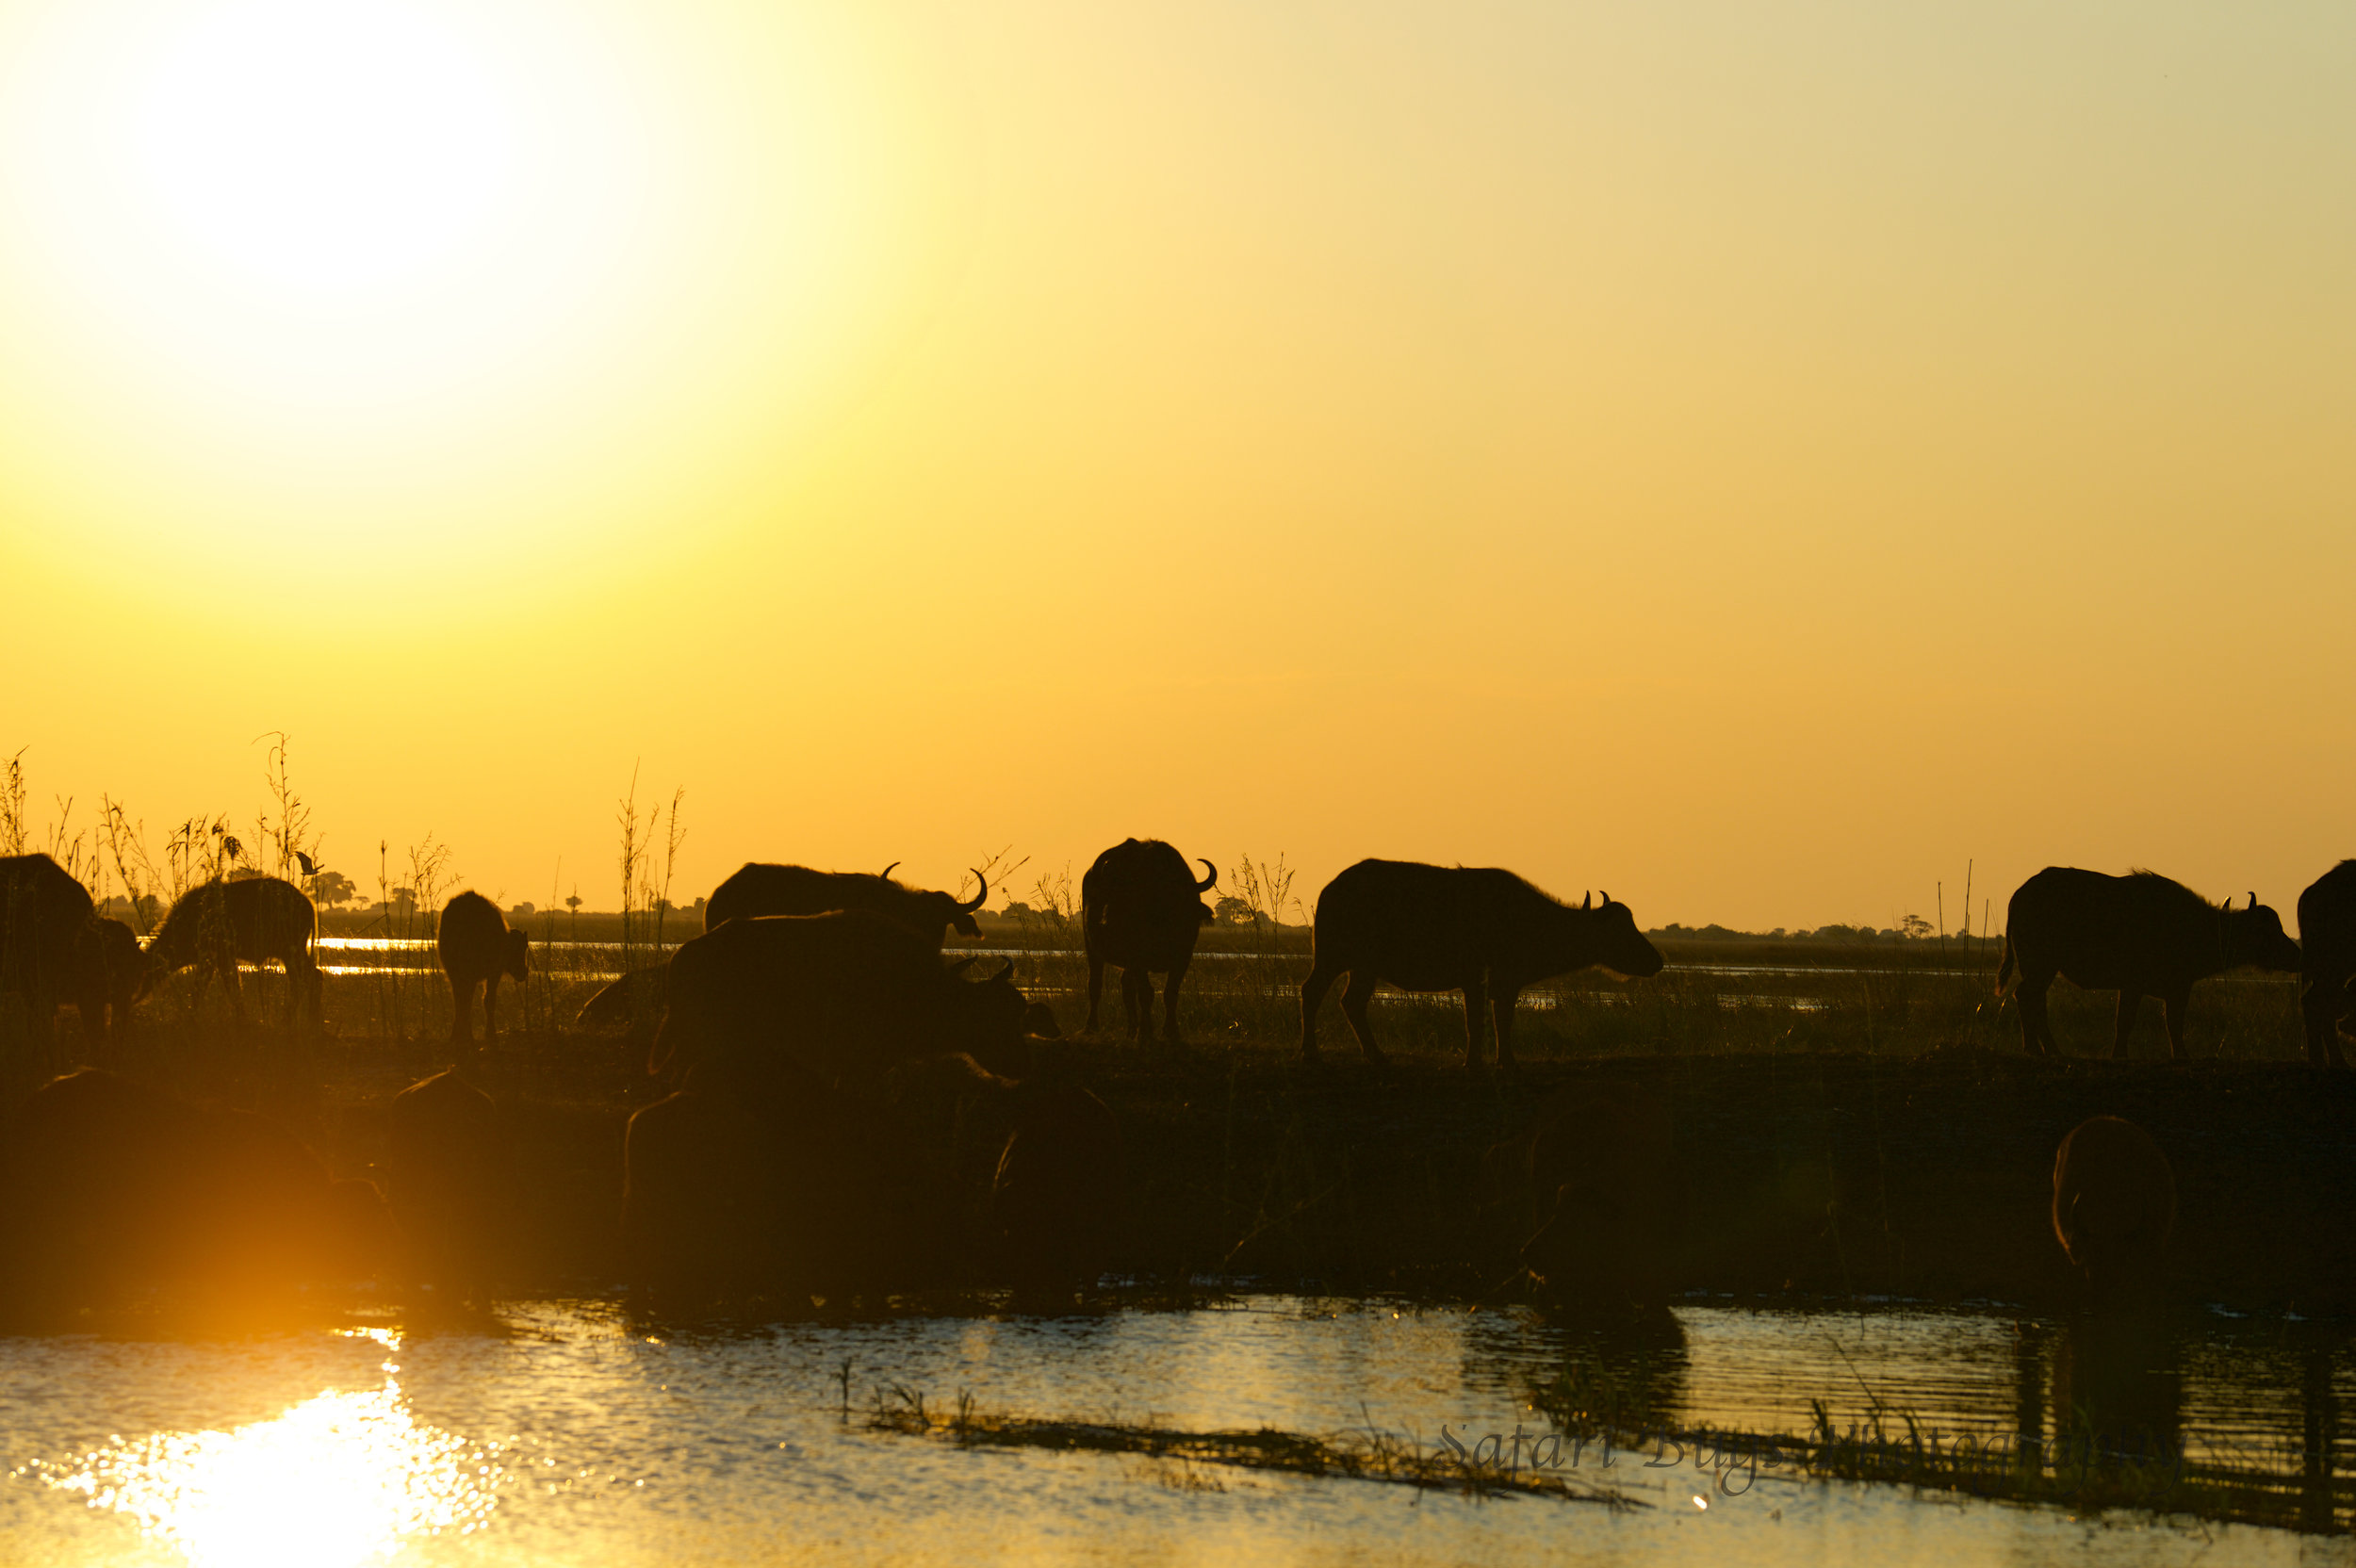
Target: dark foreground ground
[1824, 1175]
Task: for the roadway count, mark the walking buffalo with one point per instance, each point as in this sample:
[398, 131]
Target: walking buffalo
[1481, 931]
[2114, 1206]
[849, 994]
[1140, 909]
[448, 1178]
[2326, 950]
[255, 918]
[477, 949]
[2140, 934]
[757, 889]
[109, 1186]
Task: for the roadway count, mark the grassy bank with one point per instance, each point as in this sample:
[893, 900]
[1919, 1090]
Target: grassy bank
[1888, 1141]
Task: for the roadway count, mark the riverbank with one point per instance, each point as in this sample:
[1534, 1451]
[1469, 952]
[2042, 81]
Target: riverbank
[1832, 1176]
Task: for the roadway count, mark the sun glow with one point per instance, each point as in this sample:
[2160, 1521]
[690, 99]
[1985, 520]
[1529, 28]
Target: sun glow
[344, 1478]
[327, 279]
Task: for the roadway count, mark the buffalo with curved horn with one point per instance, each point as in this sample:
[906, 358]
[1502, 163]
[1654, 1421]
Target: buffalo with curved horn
[1140, 909]
[759, 888]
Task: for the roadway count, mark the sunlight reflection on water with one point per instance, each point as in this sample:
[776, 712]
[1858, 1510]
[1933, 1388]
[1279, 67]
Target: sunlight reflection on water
[345, 1478]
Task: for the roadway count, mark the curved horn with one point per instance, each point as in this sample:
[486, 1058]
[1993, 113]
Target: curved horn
[888, 870]
[2253, 901]
[1607, 901]
[1006, 974]
[1209, 882]
[964, 963]
[979, 898]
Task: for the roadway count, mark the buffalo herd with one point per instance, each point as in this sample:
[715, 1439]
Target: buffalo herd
[814, 1006]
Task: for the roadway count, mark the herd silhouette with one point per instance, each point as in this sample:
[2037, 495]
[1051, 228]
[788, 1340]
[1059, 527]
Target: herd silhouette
[815, 1003]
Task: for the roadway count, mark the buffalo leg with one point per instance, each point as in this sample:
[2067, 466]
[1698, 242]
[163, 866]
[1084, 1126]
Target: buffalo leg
[1501, 1014]
[1136, 1001]
[491, 1010]
[1312, 991]
[1354, 999]
[229, 983]
[2323, 1003]
[2130, 1004]
[1096, 991]
[2037, 1032]
[1476, 1002]
[461, 1010]
[1169, 999]
[2179, 1006]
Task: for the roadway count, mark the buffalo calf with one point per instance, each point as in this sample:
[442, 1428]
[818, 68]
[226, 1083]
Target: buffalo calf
[478, 950]
[450, 1179]
[1600, 1176]
[1054, 1201]
[2114, 1206]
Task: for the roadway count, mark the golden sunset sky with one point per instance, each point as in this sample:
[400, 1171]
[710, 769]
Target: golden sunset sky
[1753, 459]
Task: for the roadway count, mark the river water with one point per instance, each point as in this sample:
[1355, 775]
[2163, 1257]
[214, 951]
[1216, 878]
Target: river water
[573, 1434]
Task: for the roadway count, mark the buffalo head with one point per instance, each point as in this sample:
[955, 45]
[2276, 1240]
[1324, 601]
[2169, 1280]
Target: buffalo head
[1618, 945]
[2254, 936]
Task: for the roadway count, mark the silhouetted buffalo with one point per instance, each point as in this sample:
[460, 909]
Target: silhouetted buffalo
[1039, 1020]
[1140, 909]
[1599, 1176]
[110, 1185]
[848, 994]
[477, 949]
[2140, 934]
[449, 1177]
[1056, 1199]
[757, 889]
[794, 1187]
[54, 949]
[255, 918]
[108, 990]
[2114, 1206]
[1483, 931]
[2326, 950]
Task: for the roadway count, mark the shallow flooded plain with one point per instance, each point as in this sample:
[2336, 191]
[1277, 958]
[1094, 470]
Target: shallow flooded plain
[568, 1431]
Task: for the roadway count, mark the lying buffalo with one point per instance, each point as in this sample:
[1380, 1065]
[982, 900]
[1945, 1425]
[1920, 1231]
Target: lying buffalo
[2326, 950]
[1056, 1199]
[1140, 909]
[477, 949]
[848, 995]
[757, 889]
[2114, 1206]
[1596, 1184]
[53, 948]
[108, 1187]
[1481, 931]
[2140, 934]
[450, 1179]
[253, 919]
